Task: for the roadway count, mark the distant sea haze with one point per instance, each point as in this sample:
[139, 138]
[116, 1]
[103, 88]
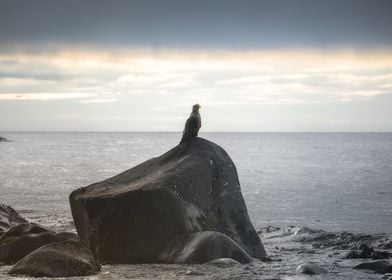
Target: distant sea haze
[331, 181]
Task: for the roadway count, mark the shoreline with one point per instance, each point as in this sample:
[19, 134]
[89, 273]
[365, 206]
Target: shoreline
[288, 247]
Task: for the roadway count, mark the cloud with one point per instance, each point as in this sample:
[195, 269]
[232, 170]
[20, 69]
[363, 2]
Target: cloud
[246, 24]
[44, 96]
[99, 100]
[286, 77]
[157, 80]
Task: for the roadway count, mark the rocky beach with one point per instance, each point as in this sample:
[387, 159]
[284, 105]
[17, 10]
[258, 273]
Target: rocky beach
[288, 248]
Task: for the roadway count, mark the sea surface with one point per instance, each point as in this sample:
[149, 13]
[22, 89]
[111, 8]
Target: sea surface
[331, 182]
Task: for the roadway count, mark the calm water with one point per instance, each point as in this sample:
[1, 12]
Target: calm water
[332, 181]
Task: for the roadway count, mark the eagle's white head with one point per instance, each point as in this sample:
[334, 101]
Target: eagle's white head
[196, 108]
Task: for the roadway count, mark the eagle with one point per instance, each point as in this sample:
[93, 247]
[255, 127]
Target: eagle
[192, 124]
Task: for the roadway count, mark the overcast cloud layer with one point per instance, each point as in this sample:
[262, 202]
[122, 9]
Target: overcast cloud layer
[202, 23]
[140, 65]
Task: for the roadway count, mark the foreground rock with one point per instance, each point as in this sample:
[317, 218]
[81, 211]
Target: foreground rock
[223, 262]
[206, 246]
[24, 238]
[381, 266]
[387, 276]
[310, 268]
[61, 259]
[134, 216]
[366, 252]
[8, 218]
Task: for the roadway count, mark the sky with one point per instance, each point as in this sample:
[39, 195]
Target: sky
[253, 65]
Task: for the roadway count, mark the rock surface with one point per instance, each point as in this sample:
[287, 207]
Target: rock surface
[366, 252]
[310, 268]
[206, 246]
[380, 266]
[8, 218]
[134, 217]
[387, 276]
[223, 262]
[62, 259]
[22, 239]
[2, 139]
[23, 229]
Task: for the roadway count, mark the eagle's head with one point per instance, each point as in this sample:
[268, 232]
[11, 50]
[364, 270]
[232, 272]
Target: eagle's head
[196, 108]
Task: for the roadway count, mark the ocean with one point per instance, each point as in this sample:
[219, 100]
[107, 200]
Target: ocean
[326, 181]
[332, 181]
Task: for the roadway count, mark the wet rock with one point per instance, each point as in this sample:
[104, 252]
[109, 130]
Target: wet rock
[306, 251]
[337, 240]
[307, 230]
[223, 262]
[268, 229]
[68, 236]
[23, 229]
[380, 266]
[387, 276]
[386, 245]
[193, 273]
[310, 268]
[2, 139]
[8, 218]
[367, 252]
[203, 247]
[62, 259]
[24, 238]
[132, 217]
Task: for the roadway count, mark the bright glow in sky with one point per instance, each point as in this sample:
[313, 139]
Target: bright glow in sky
[134, 89]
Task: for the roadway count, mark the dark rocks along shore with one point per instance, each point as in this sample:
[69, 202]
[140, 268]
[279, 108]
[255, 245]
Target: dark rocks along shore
[40, 252]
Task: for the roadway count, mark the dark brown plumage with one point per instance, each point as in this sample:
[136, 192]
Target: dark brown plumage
[192, 125]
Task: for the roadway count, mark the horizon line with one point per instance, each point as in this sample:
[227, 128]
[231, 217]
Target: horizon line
[171, 131]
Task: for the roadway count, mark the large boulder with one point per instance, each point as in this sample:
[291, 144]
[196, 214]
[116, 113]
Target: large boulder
[135, 216]
[62, 259]
[8, 218]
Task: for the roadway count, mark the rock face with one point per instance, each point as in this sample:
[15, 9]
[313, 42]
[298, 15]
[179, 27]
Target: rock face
[9, 218]
[366, 252]
[387, 276]
[62, 259]
[206, 246]
[135, 216]
[23, 229]
[381, 266]
[310, 268]
[223, 263]
[22, 239]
